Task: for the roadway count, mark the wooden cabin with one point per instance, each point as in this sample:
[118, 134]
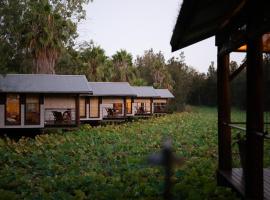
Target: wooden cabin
[110, 101]
[40, 100]
[241, 26]
[160, 104]
[143, 103]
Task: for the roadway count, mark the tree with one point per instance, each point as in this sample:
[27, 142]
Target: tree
[93, 58]
[43, 29]
[122, 61]
[152, 68]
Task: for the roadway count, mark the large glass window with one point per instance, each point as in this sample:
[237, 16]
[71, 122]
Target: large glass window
[129, 106]
[94, 107]
[82, 107]
[13, 114]
[32, 110]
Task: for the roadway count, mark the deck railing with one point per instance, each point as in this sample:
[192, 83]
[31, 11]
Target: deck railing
[60, 116]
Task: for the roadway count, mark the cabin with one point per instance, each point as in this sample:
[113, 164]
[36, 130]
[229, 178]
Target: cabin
[161, 103]
[143, 103]
[238, 26]
[110, 101]
[35, 101]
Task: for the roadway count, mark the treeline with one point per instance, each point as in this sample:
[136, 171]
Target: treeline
[39, 37]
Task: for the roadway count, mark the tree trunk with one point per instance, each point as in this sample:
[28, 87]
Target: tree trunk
[44, 61]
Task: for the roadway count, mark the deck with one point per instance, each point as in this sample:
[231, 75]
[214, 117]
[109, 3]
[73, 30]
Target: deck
[235, 180]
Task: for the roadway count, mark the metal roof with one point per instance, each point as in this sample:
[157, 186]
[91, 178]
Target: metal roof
[201, 19]
[44, 83]
[111, 89]
[145, 91]
[164, 93]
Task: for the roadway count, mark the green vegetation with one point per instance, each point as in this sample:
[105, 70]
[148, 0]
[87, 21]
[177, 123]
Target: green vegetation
[110, 162]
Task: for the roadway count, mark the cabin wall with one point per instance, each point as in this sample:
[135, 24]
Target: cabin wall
[146, 101]
[160, 101]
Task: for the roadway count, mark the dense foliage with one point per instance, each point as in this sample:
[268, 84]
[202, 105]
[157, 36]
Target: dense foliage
[110, 162]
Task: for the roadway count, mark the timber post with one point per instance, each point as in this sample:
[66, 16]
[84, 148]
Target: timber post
[224, 113]
[77, 105]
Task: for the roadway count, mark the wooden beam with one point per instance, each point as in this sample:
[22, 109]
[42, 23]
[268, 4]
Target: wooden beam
[254, 188]
[125, 106]
[254, 118]
[237, 71]
[77, 105]
[224, 113]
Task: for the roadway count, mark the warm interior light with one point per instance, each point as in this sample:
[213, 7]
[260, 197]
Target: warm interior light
[266, 44]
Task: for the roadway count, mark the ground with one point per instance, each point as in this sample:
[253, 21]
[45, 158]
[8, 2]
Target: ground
[109, 162]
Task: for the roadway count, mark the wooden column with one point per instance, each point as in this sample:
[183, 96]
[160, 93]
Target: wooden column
[151, 106]
[77, 102]
[224, 113]
[254, 151]
[125, 107]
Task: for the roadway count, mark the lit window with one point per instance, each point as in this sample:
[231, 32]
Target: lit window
[32, 110]
[94, 107]
[129, 106]
[13, 109]
[82, 107]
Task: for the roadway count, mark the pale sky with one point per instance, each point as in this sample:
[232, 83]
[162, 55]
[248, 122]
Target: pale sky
[138, 25]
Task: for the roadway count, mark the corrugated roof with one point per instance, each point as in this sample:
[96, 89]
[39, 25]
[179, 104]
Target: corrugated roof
[201, 19]
[145, 91]
[111, 89]
[164, 93]
[44, 83]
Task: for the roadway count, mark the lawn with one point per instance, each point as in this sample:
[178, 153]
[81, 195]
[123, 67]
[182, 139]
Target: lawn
[109, 162]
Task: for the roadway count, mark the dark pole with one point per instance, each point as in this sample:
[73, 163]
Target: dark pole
[254, 144]
[77, 105]
[224, 113]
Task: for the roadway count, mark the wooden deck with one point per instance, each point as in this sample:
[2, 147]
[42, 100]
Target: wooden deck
[235, 180]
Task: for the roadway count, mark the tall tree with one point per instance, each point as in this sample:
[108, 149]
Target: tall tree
[122, 61]
[43, 29]
[93, 58]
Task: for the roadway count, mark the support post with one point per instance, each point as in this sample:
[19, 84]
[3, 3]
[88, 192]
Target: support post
[125, 107]
[254, 144]
[224, 113]
[77, 102]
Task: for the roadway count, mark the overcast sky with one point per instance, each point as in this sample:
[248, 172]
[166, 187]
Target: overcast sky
[138, 25]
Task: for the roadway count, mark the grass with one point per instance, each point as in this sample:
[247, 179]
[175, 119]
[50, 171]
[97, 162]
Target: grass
[110, 162]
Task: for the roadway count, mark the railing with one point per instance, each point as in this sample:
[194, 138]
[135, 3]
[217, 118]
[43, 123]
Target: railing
[109, 112]
[160, 109]
[60, 116]
[142, 110]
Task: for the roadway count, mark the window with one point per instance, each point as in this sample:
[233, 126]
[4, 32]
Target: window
[13, 111]
[94, 107]
[32, 110]
[82, 107]
[129, 106]
[160, 107]
[117, 108]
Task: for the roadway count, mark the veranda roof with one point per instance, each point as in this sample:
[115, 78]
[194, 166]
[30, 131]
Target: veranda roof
[111, 89]
[145, 91]
[201, 19]
[164, 93]
[44, 83]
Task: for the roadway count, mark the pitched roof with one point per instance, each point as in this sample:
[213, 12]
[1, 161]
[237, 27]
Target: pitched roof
[111, 89]
[164, 93]
[44, 83]
[145, 91]
[201, 19]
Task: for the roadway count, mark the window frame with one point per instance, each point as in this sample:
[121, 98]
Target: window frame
[85, 107]
[39, 103]
[7, 123]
